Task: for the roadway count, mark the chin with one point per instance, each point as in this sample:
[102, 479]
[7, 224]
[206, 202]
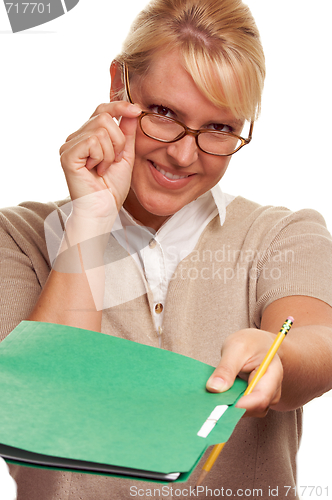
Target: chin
[156, 207]
[153, 208]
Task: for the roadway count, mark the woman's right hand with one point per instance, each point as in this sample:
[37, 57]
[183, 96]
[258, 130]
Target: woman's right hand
[98, 160]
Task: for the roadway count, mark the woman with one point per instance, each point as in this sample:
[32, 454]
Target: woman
[209, 273]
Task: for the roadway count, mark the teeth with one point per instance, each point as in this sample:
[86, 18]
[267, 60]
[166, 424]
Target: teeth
[167, 174]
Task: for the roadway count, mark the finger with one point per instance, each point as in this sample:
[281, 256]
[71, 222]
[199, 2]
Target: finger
[99, 125]
[129, 128]
[233, 357]
[109, 151]
[109, 145]
[267, 391]
[105, 114]
[124, 146]
[104, 120]
[116, 109]
[74, 165]
[76, 153]
[77, 156]
[126, 157]
[256, 414]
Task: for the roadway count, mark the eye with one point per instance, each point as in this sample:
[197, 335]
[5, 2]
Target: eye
[220, 127]
[159, 109]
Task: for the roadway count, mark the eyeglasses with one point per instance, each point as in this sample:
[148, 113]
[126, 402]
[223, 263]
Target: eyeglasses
[167, 130]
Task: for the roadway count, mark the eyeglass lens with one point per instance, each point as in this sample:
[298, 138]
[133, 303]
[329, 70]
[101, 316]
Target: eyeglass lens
[165, 129]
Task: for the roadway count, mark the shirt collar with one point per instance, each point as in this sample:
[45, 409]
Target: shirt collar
[220, 198]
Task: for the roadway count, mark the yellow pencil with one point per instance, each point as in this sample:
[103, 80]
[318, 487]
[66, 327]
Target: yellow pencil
[258, 375]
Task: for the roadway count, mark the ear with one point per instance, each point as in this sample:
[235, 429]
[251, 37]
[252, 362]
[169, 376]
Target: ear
[116, 80]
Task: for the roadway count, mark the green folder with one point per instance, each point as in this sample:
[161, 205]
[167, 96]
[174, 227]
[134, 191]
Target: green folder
[85, 401]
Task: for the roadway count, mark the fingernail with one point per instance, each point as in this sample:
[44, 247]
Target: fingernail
[217, 384]
[134, 107]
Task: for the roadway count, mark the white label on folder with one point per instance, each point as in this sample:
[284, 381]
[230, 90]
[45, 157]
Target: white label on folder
[212, 420]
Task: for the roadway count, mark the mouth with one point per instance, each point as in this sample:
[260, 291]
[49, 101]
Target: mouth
[169, 175]
[169, 180]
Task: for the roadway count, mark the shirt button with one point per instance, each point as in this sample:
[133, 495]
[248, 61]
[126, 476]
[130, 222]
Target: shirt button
[158, 308]
[152, 243]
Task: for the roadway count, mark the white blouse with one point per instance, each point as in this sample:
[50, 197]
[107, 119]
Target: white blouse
[157, 254]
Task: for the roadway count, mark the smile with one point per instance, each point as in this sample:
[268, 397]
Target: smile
[168, 174]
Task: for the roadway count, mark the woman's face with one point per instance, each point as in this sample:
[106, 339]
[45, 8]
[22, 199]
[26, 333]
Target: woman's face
[166, 177]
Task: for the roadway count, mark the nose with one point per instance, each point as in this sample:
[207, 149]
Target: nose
[184, 152]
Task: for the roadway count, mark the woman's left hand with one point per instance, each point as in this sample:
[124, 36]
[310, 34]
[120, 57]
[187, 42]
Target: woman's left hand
[241, 355]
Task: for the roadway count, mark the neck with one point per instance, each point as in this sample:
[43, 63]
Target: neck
[141, 215]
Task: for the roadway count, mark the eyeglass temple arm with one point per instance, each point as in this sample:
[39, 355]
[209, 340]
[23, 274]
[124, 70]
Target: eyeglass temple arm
[126, 82]
[250, 131]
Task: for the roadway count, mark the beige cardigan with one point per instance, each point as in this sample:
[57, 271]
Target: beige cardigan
[236, 270]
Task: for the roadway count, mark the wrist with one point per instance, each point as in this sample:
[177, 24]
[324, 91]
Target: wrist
[81, 229]
[83, 244]
[91, 216]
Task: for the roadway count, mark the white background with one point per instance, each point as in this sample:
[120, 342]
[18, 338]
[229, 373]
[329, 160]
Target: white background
[54, 76]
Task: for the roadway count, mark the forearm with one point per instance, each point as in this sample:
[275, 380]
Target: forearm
[306, 356]
[67, 299]
[73, 294]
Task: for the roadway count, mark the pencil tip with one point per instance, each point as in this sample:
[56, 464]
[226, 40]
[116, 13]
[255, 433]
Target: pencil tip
[201, 478]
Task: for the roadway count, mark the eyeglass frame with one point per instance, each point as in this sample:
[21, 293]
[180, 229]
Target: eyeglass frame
[187, 130]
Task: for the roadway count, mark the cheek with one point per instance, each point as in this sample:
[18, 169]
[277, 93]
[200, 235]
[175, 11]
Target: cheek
[219, 167]
[144, 145]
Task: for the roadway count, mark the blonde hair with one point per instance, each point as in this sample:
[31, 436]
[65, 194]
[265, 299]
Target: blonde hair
[219, 43]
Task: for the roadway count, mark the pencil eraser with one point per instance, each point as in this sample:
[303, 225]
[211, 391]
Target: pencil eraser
[291, 319]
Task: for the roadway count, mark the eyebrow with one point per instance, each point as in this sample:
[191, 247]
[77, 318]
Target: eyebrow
[162, 102]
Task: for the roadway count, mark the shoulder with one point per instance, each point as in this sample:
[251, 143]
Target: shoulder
[29, 216]
[250, 227]
[250, 217]
[23, 226]
[30, 211]
[289, 253]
